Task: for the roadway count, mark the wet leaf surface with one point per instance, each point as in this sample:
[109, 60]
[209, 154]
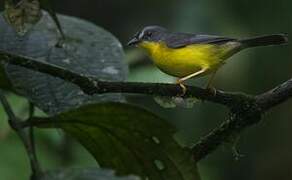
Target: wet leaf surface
[88, 50]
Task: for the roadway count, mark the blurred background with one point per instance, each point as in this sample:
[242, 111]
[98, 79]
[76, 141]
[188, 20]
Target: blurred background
[267, 148]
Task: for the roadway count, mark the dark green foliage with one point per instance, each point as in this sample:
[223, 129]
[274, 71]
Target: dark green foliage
[84, 174]
[128, 139]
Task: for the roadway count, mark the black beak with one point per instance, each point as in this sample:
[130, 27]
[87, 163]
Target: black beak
[133, 41]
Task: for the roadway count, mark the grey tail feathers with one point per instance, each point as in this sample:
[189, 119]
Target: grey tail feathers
[267, 40]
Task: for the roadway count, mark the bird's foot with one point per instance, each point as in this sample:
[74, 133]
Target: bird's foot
[183, 88]
[212, 90]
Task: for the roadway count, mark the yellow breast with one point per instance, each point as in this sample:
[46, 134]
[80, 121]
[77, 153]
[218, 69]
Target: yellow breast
[187, 60]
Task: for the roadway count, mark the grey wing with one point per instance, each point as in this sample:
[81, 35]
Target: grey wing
[178, 40]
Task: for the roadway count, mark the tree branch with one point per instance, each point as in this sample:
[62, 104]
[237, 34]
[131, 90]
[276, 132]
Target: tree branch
[236, 123]
[246, 110]
[91, 85]
[244, 115]
[275, 96]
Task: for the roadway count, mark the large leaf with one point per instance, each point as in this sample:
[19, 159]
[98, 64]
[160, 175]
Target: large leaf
[129, 140]
[23, 15]
[84, 174]
[89, 50]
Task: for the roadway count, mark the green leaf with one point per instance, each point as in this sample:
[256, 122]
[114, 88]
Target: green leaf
[84, 174]
[23, 15]
[88, 50]
[128, 139]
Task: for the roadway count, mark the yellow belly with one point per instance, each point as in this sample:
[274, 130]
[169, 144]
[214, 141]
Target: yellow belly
[187, 60]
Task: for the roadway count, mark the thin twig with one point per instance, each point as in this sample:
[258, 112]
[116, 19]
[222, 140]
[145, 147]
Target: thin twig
[222, 134]
[31, 131]
[15, 124]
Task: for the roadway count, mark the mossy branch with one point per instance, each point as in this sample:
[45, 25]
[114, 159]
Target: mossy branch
[246, 110]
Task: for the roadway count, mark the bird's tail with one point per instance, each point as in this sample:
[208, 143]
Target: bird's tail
[267, 40]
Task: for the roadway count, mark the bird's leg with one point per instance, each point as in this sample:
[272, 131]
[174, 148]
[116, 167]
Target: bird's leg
[181, 80]
[210, 82]
[183, 87]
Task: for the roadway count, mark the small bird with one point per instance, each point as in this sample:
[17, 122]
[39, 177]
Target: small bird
[186, 55]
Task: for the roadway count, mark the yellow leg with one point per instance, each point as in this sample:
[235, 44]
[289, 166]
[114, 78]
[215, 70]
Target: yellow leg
[181, 80]
[183, 87]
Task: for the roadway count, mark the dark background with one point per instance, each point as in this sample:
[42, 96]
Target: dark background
[267, 148]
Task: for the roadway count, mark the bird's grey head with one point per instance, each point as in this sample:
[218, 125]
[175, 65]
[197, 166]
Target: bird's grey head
[148, 33]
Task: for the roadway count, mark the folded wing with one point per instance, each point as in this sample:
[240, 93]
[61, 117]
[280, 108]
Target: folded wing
[179, 40]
